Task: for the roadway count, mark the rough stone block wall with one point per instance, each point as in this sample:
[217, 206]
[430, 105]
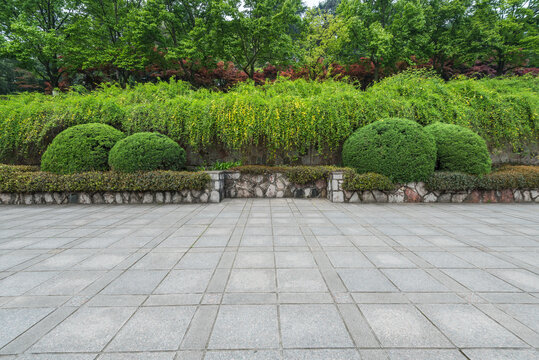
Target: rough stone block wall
[275, 185]
[126, 197]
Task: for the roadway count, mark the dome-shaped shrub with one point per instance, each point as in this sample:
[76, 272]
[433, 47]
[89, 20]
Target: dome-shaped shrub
[459, 149]
[146, 151]
[80, 148]
[397, 148]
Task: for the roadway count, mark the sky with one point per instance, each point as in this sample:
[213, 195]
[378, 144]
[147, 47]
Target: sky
[311, 3]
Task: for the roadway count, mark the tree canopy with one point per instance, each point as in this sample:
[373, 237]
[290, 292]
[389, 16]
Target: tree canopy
[213, 42]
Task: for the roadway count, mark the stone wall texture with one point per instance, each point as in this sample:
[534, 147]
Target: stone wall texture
[126, 197]
[275, 185]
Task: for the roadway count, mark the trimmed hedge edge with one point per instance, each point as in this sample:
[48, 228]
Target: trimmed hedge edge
[507, 177]
[28, 179]
[14, 181]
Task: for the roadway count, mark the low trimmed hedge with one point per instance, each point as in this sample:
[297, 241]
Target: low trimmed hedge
[506, 177]
[14, 181]
[367, 181]
[300, 175]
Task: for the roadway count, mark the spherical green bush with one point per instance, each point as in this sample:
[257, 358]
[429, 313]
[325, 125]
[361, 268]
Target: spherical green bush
[459, 149]
[397, 148]
[80, 148]
[146, 151]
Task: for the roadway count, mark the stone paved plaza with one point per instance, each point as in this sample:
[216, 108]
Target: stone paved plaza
[270, 279]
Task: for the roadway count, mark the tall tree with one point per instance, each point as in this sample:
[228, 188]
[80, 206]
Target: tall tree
[254, 32]
[325, 35]
[447, 25]
[383, 30]
[34, 34]
[112, 35]
[505, 30]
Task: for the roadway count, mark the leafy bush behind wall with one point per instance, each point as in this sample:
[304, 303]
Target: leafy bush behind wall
[287, 118]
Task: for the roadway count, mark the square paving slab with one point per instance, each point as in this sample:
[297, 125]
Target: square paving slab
[263, 279]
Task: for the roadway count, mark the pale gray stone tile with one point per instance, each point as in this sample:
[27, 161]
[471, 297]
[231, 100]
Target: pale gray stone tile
[326, 354]
[313, 326]
[365, 280]
[300, 280]
[251, 280]
[184, 281]
[136, 282]
[468, 327]
[87, 330]
[153, 329]
[16, 321]
[402, 326]
[501, 354]
[245, 327]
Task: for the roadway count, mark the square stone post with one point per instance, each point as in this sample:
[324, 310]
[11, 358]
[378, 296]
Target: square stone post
[217, 191]
[335, 190]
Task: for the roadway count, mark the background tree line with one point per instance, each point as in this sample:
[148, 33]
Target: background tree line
[48, 44]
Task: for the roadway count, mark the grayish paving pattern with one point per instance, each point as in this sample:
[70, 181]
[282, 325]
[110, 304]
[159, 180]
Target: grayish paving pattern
[270, 279]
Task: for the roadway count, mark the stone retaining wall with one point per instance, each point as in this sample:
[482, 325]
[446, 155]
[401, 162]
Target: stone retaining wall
[233, 184]
[416, 192]
[275, 185]
[126, 197]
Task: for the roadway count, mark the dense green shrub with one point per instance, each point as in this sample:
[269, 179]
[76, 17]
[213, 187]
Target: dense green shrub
[367, 181]
[506, 177]
[459, 149]
[14, 181]
[146, 151]
[286, 118]
[80, 148]
[451, 181]
[511, 177]
[300, 175]
[397, 148]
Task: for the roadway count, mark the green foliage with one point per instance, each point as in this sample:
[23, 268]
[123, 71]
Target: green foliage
[451, 181]
[367, 181]
[80, 148]
[287, 118]
[14, 181]
[506, 177]
[511, 177]
[397, 148]
[384, 31]
[300, 175]
[224, 165]
[459, 149]
[146, 151]
[257, 31]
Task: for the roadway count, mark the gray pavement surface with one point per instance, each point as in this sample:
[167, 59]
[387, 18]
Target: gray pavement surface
[270, 279]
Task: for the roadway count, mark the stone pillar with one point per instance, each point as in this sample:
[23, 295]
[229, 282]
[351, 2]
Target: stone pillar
[335, 190]
[217, 191]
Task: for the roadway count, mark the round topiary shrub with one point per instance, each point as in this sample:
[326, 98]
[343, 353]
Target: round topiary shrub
[459, 149]
[146, 151]
[80, 148]
[397, 148]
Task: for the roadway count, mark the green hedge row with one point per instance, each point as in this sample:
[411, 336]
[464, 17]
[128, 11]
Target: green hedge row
[508, 177]
[12, 180]
[366, 181]
[286, 118]
[28, 179]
